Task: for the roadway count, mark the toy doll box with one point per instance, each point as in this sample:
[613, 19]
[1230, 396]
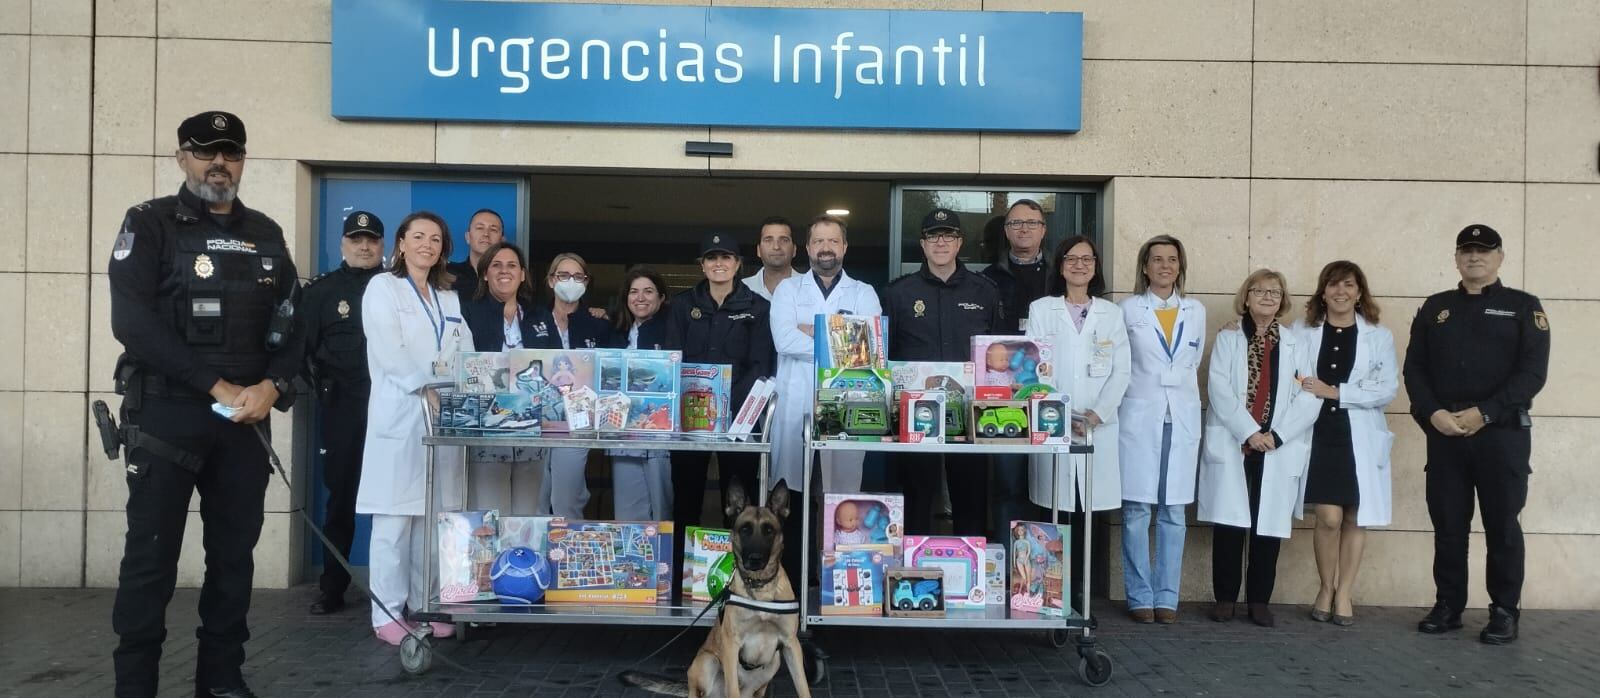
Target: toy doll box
[706, 398]
[922, 416]
[914, 592]
[961, 558]
[549, 374]
[603, 561]
[874, 522]
[1050, 419]
[955, 378]
[1000, 421]
[850, 341]
[468, 545]
[1013, 362]
[649, 381]
[1039, 558]
[852, 583]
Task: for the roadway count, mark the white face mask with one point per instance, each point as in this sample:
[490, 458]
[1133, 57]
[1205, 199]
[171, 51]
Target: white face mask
[570, 290]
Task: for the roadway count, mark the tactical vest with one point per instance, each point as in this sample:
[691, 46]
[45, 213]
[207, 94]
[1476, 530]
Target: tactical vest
[228, 284]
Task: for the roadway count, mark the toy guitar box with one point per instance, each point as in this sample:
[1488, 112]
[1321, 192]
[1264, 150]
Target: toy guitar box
[850, 341]
[961, 558]
[1039, 558]
[852, 583]
[604, 561]
[955, 378]
[874, 522]
[550, 374]
[468, 545]
[1022, 364]
[638, 390]
[706, 398]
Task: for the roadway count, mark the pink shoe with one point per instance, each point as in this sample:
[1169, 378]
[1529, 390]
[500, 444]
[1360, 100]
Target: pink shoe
[443, 630]
[392, 633]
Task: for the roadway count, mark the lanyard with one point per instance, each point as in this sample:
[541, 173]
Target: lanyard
[437, 327]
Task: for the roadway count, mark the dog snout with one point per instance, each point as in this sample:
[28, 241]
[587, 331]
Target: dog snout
[755, 561]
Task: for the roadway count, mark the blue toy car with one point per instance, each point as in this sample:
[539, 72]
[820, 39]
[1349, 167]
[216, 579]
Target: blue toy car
[922, 595]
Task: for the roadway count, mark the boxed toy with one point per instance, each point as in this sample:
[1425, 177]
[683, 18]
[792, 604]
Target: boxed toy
[851, 583]
[962, 560]
[482, 372]
[1000, 421]
[850, 341]
[994, 573]
[853, 404]
[873, 522]
[955, 378]
[914, 592]
[549, 374]
[707, 562]
[603, 561]
[1039, 558]
[922, 416]
[525, 532]
[467, 549]
[664, 537]
[1050, 417]
[706, 391]
[1018, 363]
[649, 381]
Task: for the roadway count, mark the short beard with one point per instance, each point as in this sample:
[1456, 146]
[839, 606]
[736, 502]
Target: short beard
[830, 266]
[210, 193]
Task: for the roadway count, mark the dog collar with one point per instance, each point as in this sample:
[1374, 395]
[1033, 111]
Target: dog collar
[783, 607]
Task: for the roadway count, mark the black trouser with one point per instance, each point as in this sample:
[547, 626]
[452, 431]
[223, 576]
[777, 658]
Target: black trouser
[689, 490]
[1008, 498]
[967, 477]
[1228, 543]
[344, 431]
[232, 484]
[1494, 463]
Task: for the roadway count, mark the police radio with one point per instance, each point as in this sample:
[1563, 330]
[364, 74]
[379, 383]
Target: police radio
[282, 323]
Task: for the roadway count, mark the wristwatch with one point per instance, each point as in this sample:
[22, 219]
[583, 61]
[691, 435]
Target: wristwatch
[283, 387]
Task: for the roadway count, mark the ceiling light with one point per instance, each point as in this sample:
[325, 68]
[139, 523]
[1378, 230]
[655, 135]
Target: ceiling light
[838, 211]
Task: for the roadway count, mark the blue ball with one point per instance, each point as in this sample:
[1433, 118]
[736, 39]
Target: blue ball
[520, 576]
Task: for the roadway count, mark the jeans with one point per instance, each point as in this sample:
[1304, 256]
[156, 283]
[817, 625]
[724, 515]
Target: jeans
[1160, 591]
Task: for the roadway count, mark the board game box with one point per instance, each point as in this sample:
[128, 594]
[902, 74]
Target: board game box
[1038, 568]
[962, 560]
[603, 562]
[706, 397]
[550, 373]
[648, 380]
[468, 545]
[850, 341]
[852, 583]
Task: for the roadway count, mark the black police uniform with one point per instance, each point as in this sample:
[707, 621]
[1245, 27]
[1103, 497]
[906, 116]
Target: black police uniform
[1489, 350]
[1020, 285]
[336, 364]
[466, 278]
[933, 319]
[193, 299]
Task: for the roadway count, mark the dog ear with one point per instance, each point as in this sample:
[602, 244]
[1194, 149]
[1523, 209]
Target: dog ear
[737, 500]
[778, 500]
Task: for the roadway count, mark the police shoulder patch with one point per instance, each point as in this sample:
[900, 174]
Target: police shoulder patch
[124, 244]
[1541, 321]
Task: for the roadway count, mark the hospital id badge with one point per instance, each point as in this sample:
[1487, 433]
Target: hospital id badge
[441, 368]
[1100, 361]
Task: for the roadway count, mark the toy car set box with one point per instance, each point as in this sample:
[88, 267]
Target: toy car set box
[853, 404]
[922, 416]
[961, 558]
[852, 583]
[1021, 364]
[955, 378]
[874, 522]
[1000, 421]
[914, 592]
[850, 341]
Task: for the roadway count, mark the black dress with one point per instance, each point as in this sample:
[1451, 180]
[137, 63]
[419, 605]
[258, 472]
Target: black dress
[1332, 476]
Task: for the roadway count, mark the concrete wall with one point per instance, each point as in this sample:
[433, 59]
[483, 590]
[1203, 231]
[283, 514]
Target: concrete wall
[1265, 132]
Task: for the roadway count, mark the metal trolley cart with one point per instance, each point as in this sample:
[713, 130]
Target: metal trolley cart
[1094, 665]
[416, 656]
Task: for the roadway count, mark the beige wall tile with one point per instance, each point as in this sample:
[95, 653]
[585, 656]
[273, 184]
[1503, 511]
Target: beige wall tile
[52, 549]
[58, 213]
[1210, 216]
[56, 349]
[278, 558]
[74, 17]
[11, 409]
[1561, 221]
[14, 314]
[1574, 379]
[279, 498]
[1151, 29]
[125, 17]
[1387, 121]
[105, 481]
[266, 20]
[847, 151]
[103, 346]
[1400, 232]
[13, 212]
[1408, 478]
[1379, 31]
[1561, 32]
[1397, 314]
[540, 145]
[119, 182]
[278, 563]
[1563, 476]
[10, 548]
[15, 16]
[269, 186]
[1563, 125]
[286, 105]
[54, 434]
[1142, 118]
[102, 549]
[58, 100]
[124, 95]
[14, 81]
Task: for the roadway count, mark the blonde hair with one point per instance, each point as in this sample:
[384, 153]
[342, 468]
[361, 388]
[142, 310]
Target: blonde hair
[1242, 297]
[564, 256]
[1141, 283]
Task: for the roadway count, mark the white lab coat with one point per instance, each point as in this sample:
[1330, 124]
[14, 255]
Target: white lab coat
[1163, 383]
[401, 350]
[1374, 380]
[797, 302]
[1092, 367]
[1223, 495]
[758, 282]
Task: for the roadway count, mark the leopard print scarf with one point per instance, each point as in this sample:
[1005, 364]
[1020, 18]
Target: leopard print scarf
[1259, 352]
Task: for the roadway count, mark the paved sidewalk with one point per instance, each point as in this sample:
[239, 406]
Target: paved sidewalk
[58, 642]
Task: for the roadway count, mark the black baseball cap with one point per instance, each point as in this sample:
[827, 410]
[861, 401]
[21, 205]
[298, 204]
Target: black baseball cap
[718, 242]
[210, 129]
[940, 219]
[363, 223]
[1478, 235]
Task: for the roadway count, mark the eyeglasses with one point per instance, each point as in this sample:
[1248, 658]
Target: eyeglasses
[204, 154]
[579, 277]
[1266, 293]
[942, 236]
[1073, 260]
[1024, 224]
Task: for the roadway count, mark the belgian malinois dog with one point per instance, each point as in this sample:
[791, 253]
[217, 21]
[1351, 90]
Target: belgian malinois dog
[741, 655]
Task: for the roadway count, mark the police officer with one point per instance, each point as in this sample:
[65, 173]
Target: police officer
[336, 365]
[202, 292]
[933, 314]
[1478, 356]
[484, 230]
[718, 321]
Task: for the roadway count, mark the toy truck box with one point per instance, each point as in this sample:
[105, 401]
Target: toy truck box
[1000, 421]
[853, 404]
[955, 378]
[914, 592]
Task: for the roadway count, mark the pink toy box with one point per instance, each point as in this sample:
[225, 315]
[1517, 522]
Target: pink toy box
[1018, 363]
[873, 522]
[1038, 568]
[961, 558]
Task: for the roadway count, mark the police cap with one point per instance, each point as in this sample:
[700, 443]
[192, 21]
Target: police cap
[940, 219]
[718, 242]
[1478, 235]
[363, 223]
[211, 129]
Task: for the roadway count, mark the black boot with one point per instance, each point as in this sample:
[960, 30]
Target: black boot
[1440, 620]
[1502, 627]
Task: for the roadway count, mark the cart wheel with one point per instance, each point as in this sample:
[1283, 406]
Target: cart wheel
[1059, 638]
[1095, 668]
[462, 630]
[416, 657]
[816, 666]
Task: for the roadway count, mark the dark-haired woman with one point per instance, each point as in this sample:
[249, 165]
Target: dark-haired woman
[641, 481]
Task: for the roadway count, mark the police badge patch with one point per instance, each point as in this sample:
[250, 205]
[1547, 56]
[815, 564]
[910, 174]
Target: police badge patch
[919, 307]
[1541, 321]
[344, 309]
[124, 244]
[202, 266]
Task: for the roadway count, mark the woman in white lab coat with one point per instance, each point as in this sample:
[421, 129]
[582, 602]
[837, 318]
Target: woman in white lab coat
[1257, 442]
[1092, 366]
[1160, 432]
[1347, 481]
[414, 330]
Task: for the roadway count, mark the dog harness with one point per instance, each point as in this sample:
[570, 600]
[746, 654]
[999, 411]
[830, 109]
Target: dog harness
[780, 607]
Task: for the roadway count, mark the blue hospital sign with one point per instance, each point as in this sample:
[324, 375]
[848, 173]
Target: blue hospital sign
[461, 60]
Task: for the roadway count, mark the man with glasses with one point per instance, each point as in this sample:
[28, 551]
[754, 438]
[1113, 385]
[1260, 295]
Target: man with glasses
[933, 314]
[776, 250]
[202, 293]
[484, 230]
